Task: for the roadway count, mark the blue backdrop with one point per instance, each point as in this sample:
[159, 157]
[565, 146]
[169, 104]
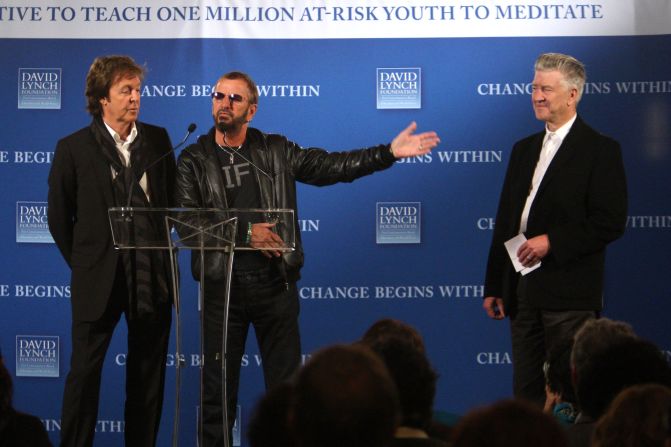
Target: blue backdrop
[474, 93]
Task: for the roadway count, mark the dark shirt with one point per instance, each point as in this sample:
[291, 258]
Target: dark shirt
[242, 192]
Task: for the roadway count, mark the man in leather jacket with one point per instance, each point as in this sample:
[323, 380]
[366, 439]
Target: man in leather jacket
[236, 166]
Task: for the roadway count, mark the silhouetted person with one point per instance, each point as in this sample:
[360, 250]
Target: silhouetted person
[611, 370]
[415, 381]
[509, 423]
[592, 337]
[386, 328]
[595, 335]
[560, 398]
[345, 398]
[389, 330]
[270, 422]
[17, 429]
[640, 416]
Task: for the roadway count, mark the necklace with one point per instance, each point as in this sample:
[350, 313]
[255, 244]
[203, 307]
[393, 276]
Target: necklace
[230, 150]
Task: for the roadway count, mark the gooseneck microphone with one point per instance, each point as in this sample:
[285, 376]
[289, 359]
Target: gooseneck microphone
[189, 131]
[134, 179]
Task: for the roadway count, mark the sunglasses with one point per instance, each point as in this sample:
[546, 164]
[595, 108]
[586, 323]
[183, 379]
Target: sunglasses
[232, 97]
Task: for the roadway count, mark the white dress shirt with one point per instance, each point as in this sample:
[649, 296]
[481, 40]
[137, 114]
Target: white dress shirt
[123, 147]
[551, 143]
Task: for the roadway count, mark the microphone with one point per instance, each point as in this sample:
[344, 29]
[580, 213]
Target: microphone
[270, 177]
[270, 216]
[189, 131]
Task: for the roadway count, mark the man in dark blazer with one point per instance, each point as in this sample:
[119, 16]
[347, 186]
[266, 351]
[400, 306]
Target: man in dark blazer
[565, 191]
[104, 165]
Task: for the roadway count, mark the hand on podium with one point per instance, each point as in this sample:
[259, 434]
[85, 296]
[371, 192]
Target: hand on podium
[266, 240]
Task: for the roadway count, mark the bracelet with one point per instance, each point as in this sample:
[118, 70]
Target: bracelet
[248, 238]
[391, 151]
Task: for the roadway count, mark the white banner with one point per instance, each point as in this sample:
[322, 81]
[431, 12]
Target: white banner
[305, 19]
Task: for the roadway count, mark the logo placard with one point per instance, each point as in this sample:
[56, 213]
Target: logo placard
[37, 356]
[40, 88]
[398, 222]
[31, 222]
[399, 88]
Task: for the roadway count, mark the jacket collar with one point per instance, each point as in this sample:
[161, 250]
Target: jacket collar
[260, 155]
[567, 150]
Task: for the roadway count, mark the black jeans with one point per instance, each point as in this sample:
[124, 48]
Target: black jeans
[533, 333]
[260, 298]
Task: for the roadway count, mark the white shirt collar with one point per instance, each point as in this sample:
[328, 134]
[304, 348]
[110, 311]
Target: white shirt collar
[563, 130]
[117, 138]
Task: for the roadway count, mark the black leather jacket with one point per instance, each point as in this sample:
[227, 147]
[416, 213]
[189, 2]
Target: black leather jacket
[200, 184]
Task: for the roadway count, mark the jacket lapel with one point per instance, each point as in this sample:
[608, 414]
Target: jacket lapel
[260, 155]
[565, 152]
[213, 170]
[154, 173]
[526, 169]
[102, 169]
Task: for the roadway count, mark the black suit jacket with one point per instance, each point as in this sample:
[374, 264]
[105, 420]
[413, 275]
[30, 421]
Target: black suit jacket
[80, 193]
[581, 204]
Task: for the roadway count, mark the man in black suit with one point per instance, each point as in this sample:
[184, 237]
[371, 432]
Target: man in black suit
[565, 191]
[95, 168]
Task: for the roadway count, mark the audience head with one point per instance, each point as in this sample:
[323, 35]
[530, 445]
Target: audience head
[387, 328]
[509, 423]
[640, 416]
[345, 397]
[415, 380]
[557, 370]
[625, 363]
[269, 426]
[560, 400]
[595, 335]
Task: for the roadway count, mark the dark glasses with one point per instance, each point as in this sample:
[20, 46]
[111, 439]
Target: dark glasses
[233, 97]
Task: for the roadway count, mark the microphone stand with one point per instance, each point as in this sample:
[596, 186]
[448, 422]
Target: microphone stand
[133, 178]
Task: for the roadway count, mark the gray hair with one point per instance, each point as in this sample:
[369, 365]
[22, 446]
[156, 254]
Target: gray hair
[596, 335]
[572, 69]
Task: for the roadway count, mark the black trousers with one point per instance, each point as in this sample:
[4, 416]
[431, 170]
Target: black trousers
[145, 372]
[260, 298]
[533, 333]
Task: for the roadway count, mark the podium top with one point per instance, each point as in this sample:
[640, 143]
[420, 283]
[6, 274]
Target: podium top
[200, 228]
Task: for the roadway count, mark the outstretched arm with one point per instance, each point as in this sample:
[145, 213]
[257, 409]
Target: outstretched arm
[409, 144]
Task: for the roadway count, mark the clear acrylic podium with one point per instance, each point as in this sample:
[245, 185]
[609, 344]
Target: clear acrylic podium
[201, 230]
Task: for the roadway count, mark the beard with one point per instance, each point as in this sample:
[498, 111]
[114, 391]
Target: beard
[235, 123]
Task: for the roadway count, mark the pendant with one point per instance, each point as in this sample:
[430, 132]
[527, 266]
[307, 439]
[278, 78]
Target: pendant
[231, 151]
